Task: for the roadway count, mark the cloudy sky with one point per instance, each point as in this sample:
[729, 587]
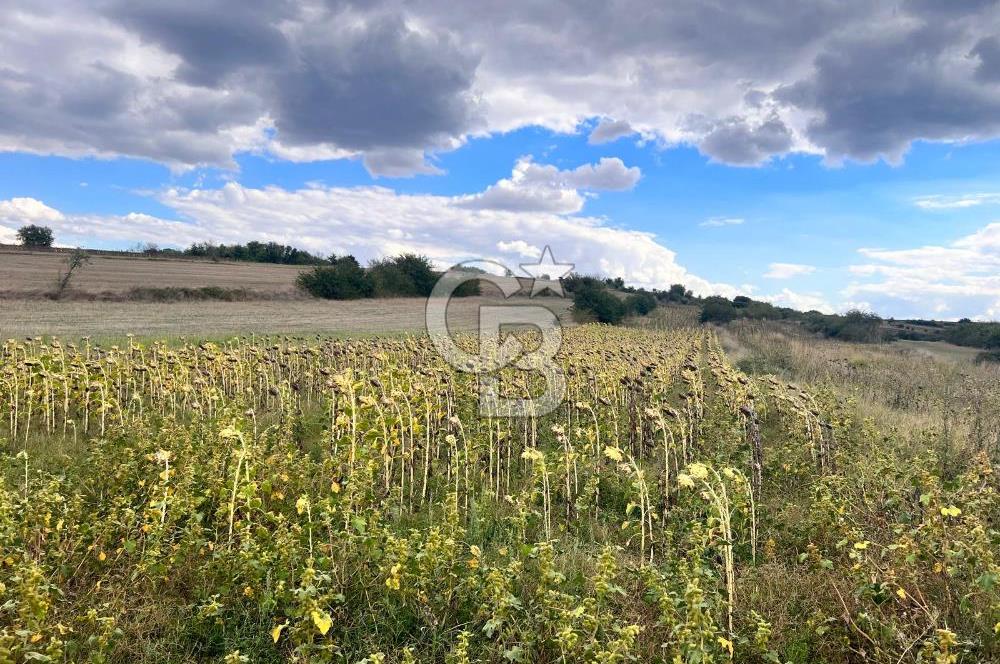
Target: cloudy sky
[821, 154]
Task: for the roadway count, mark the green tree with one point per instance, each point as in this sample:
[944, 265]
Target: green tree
[407, 275]
[642, 303]
[599, 302]
[717, 310]
[343, 279]
[35, 236]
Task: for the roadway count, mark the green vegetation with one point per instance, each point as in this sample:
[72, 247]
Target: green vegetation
[343, 501]
[344, 279]
[255, 252]
[595, 298]
[37, 237]
[407, 275]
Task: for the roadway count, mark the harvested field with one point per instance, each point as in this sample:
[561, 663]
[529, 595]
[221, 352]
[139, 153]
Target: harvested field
[19, 318]
[31, 274]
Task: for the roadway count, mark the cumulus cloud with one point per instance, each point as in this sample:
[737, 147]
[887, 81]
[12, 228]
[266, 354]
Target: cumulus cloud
[739, 142]
[608, 130]
[800, 301]
[191, 82]
[788, 270]
[536, 187]
[519, 248]
[371, 222]
[958, 280]
[28, 210]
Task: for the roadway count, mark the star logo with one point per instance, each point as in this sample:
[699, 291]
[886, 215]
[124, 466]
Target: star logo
[546, 273]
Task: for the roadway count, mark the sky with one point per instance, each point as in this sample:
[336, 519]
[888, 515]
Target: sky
[822, 155]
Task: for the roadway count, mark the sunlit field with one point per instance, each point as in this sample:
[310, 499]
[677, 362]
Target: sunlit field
[332, 500]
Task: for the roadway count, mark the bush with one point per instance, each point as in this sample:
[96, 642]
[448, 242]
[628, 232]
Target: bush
[677, 294]
[344, 279]
[469, 288]
[600, 303]
[408, 275]
[574, 282]
[860, 326]
[990, 356]
[641, 303]
[255, 252]
[717, 310]
[35, 236]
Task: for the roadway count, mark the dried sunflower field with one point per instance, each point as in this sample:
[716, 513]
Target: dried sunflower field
[321, 500]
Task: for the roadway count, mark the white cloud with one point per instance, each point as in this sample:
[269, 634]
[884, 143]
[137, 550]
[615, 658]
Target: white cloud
[27, 210]
[953, 281]
[938, 202]
[519, 247]
[788, 270]
[719, 222]
[371, 222]
[536, 187]
[800, 301]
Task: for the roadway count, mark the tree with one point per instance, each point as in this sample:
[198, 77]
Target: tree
[598, 301]
[74, 262]
[861, 326]
[717, 310]
[408, 275]
[343, 279]
[677, 293]
[35, 236]
[642, 303]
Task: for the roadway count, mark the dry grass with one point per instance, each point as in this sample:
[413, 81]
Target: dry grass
[923, 389]
[20, 318]
[24, 274]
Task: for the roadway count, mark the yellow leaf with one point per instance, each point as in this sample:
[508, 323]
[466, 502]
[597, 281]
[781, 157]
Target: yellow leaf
[861, 546]
[102, 556]
[727, 644]
[901, 593]
[335, 486]
[613, 453]
[276, 631]
[322, 620]
[950, 511]
[302, 504]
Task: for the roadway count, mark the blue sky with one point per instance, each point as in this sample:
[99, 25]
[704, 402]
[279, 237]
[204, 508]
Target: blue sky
[659, 144]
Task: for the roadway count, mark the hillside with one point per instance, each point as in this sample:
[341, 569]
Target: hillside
[111, 275]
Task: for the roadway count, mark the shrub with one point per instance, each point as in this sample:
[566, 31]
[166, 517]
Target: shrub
[573, 282]
[717, 310]
[255, 252]
[35, 236]
[641, 303]
[344, 279]
[677, 293]
[407, 275]
[860, 326]
[600, 303]
[991, 356]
